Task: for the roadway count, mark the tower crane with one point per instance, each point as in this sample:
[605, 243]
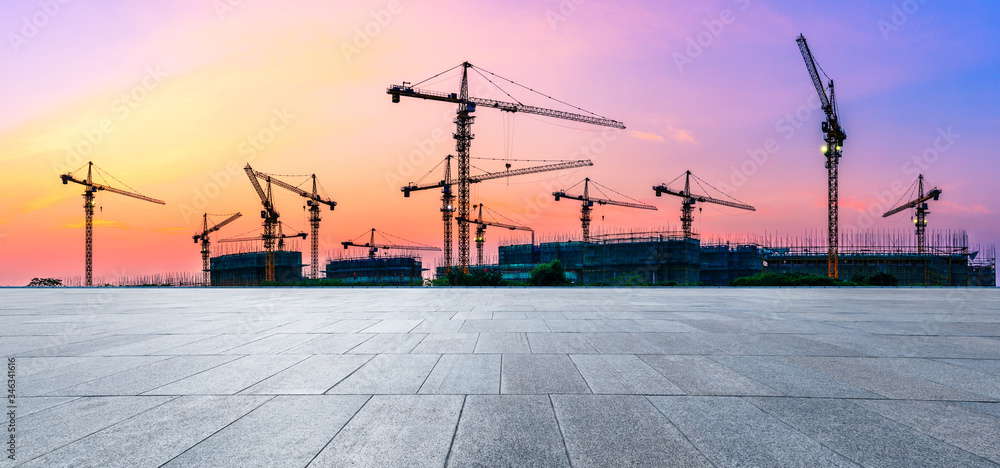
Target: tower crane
[270, 217]
[313, 201]
[481, 230]
[463, 131]
[920, 203]
[688, 200]
[834, 136]
[205, 251]
[373, 246]
[448, 197]
[89, 192]
[588, 203]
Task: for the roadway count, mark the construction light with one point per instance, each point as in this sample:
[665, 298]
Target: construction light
[824, 149]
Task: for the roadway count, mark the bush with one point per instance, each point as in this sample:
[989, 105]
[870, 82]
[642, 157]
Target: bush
[878, 279]
[44, 282]
[482, 277]
[789, 279]
[549, 274]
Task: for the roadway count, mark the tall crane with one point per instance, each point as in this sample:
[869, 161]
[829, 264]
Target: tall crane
[203, 237]
[588, 203]
[448, 197]
[920, 203]
[373, 246]
[313, 201]
[688, 200]
[89, 192]
[270, 217]
[463, 133]
[481, 230]
[834, 136]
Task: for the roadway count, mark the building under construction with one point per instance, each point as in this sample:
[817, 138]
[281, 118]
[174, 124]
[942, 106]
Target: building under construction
[382, 271]
[670, 256]
[248, 268]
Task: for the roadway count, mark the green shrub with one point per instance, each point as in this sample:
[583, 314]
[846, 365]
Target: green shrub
[549, 274]
[789, 279]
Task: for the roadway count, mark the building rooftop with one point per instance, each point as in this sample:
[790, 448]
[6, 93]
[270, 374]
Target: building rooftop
[504, 377]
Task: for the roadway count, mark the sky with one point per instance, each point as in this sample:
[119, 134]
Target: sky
[172, 98]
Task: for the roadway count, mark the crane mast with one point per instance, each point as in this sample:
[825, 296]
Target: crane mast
[313, 201]
[270, 216]
[481, 231]
[203, 236]
[448, 197]
[89, 192]
[921, 212]
[689, 199]
[588, 203]
[463, 137]
[834, 137]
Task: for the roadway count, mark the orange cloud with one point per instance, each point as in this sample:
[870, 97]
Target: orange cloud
[645, 136]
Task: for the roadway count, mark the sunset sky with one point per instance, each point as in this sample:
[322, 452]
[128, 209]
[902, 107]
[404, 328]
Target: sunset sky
[170, 96]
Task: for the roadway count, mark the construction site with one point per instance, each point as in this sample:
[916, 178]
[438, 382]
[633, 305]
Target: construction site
[621, 256]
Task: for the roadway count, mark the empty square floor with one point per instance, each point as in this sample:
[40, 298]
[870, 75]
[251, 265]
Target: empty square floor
[582, 377]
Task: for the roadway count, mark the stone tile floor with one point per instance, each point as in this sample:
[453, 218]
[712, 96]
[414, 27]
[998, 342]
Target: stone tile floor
[504, 377]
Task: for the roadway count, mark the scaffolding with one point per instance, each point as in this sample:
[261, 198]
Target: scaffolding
[248, 268]
[405, 270]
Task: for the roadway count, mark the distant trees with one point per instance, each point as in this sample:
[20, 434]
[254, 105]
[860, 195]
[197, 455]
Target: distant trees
[44, 282]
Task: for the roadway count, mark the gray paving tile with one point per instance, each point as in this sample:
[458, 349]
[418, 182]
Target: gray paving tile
[622, 374]
[540, 374]
[699, 375]
[139, 380]
[286, 431]
[30, 405]
[335, 343]
[347, 326]
[447, 343]
[229, 378]
[570, 326]
[503, 326]
[464, 374]
[152, 437]
[876, 376]
[949, 375]
[392, 326]
[508, 430]
[396, 430]
[502, 343]
[272, 344]
[509, 316]
[791, 379]
[957, 425]
[620, 343]
[314, 375]
[389, 374]
[439, 326]
[732, 432]
[986, 366]
[391, 343]
[621, 430]
[79, 372]
[559, 343]
[212, 345]
[48, 430]
[863, 436]
[992, 409]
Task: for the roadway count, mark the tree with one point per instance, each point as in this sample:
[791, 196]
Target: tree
[549, 274]
[44, 282]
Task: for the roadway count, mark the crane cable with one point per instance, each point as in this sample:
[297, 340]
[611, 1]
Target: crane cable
[539, 93]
